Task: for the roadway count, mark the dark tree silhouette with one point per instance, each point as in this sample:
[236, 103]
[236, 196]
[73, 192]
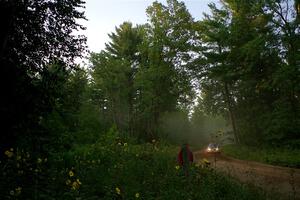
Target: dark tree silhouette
[34, 34]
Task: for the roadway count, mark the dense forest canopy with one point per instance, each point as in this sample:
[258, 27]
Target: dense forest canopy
[241, 62]
[243, 57]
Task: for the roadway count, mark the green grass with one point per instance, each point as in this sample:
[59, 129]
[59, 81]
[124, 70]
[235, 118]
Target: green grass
[273, 156]
[115, 168]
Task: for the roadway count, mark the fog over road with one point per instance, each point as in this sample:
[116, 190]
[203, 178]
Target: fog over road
[283, 181]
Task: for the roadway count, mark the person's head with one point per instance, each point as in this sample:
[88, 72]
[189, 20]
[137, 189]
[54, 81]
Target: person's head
[185, 144]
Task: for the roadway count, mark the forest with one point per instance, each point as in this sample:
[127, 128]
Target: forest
[111, 129]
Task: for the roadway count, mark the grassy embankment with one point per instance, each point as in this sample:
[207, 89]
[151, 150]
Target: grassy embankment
[114, 168]
[273, 156]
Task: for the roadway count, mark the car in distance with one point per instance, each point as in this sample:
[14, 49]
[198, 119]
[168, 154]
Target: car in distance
[213, 148]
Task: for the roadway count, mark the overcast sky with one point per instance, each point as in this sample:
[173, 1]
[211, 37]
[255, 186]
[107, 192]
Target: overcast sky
[104, 15]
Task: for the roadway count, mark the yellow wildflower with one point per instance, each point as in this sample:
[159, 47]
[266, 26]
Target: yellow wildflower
[137, 195]
[75, 185]
[8, 153]
[78, 181]
[71, 173]
[177, 167]
[68, 182]
[205, 161]
[118, 191]
[18, 190]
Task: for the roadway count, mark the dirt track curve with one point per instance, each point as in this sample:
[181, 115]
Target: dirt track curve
[283, 181]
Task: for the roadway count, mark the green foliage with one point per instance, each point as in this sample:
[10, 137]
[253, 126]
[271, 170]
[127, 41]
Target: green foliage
[37, 47]
[114, 168]
[247, 68]
[142, 72]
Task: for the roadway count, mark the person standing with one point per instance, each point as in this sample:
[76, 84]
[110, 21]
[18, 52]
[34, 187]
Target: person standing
[185, 158]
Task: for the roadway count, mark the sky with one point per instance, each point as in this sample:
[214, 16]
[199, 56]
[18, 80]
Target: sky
[104, 15]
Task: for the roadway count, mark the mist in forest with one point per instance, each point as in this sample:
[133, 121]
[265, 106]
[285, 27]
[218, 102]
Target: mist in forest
[198, 130]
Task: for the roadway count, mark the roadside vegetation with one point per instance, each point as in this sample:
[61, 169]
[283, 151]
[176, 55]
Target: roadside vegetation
[269, 155]
[115, 168]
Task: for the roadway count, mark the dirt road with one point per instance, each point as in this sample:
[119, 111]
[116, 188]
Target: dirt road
[279, 180]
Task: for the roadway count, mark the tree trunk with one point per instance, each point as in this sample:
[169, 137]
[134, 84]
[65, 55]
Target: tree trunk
[231, 113]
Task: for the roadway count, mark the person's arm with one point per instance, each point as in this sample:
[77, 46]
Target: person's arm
[179, 158]
[192, 156]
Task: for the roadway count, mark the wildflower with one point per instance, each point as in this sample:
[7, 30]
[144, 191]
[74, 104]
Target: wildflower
[177, 167]
[78, 181]
[68, 182]
[11, 149]
[8, 153]
[39, 160]
[18, 190]
[153, 141]
[75, 185]
[118, 191]
[137, 195]
[125, 144]
[205, 161]
[119, 143]
[71, 173]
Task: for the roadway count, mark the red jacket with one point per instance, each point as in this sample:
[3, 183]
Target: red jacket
[180, 156]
